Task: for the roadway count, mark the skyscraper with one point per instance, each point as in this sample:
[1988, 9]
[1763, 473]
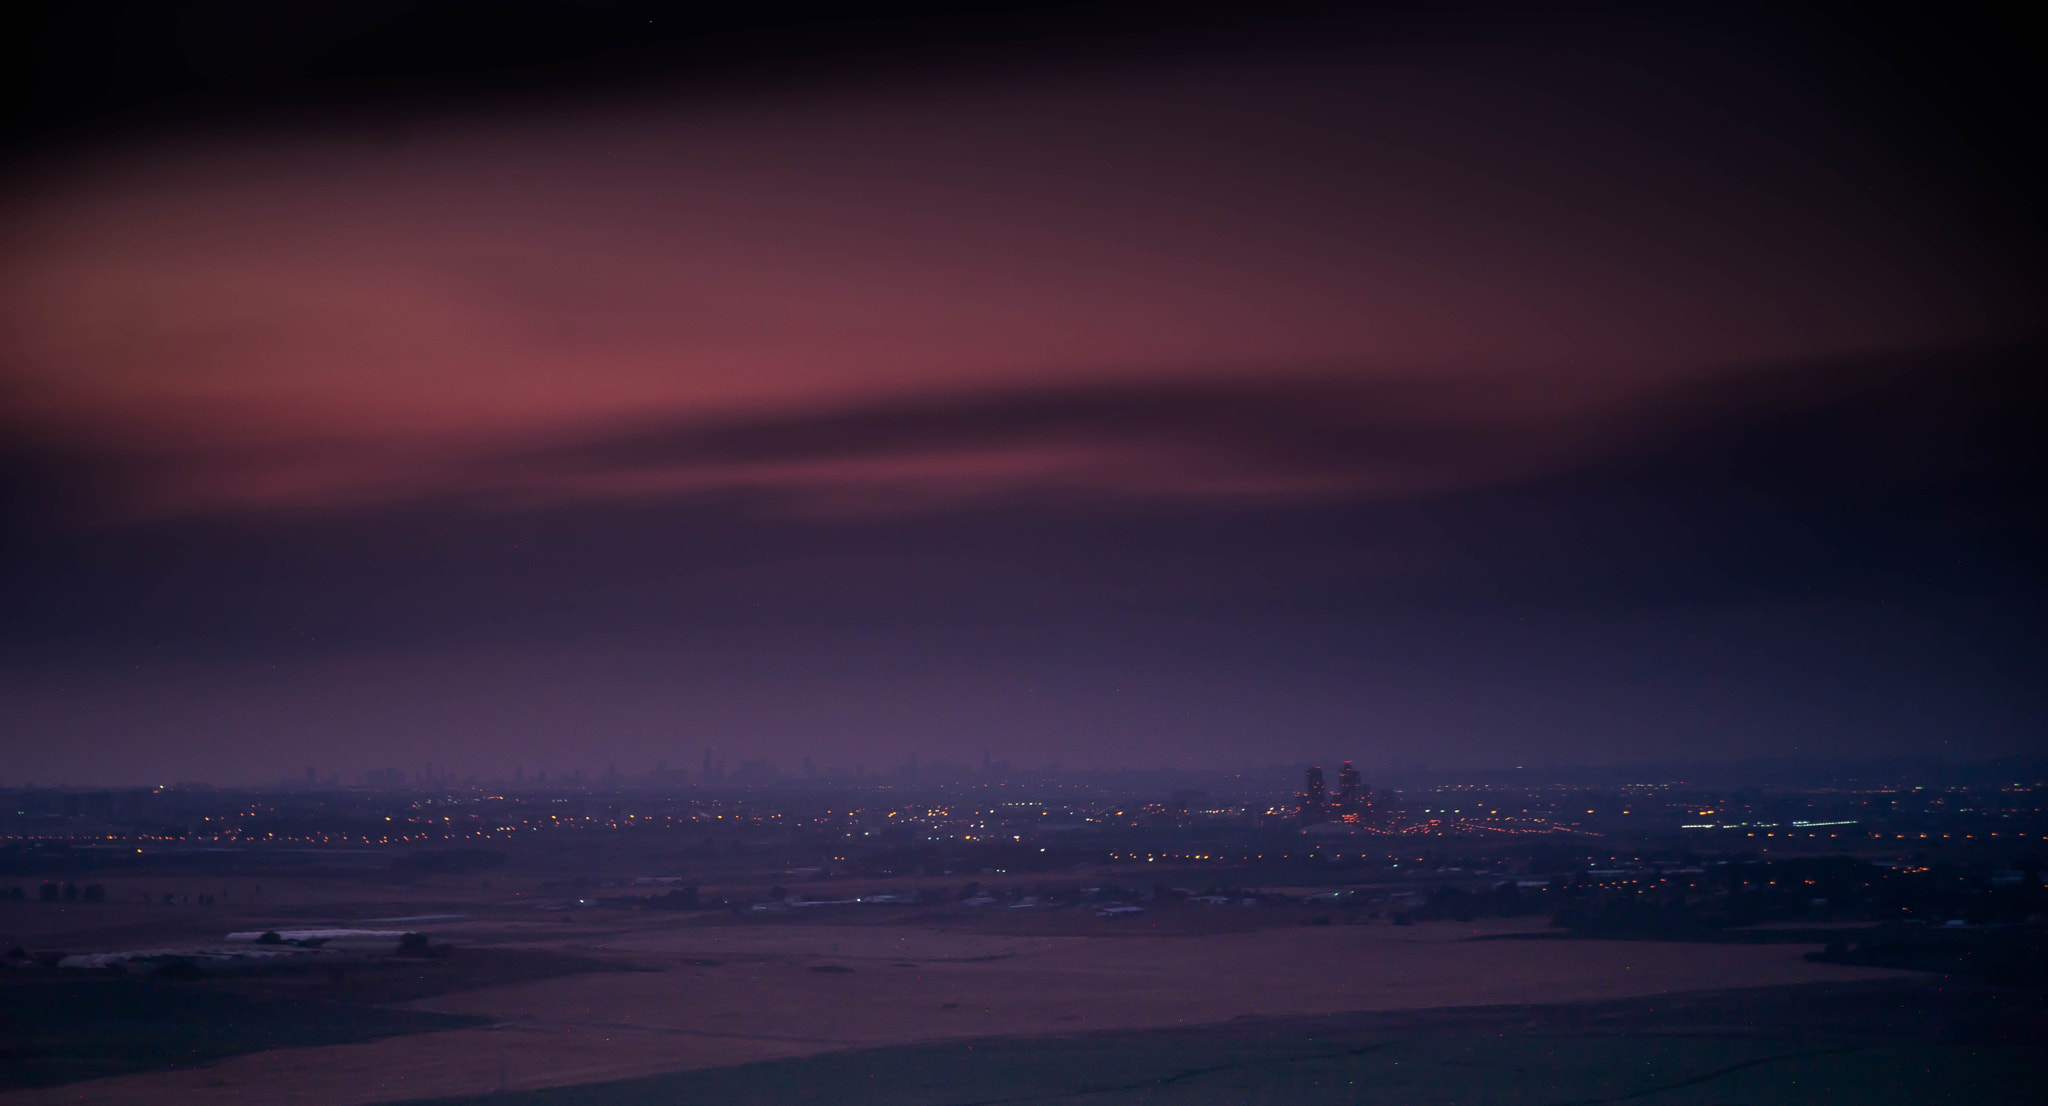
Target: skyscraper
[1314, 801]
[1350, 790]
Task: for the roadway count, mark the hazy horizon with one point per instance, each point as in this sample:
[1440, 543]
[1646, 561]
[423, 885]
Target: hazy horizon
[1446, 385]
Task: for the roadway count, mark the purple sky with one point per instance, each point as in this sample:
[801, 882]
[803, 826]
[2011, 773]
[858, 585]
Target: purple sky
[1468, 392]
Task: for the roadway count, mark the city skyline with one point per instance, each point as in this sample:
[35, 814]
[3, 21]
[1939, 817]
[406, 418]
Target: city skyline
[562, 552]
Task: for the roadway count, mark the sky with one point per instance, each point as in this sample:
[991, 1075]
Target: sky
[1443, 385]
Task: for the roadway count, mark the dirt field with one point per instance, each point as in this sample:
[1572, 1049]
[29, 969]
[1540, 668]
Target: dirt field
[731, 994]
[1870, 1043]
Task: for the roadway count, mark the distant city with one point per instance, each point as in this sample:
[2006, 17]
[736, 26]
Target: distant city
[310, 880]
[1852, 809]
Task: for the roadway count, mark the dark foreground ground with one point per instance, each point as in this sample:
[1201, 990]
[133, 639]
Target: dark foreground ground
[1866, 1044]
[61, 1033]
[78, 1026]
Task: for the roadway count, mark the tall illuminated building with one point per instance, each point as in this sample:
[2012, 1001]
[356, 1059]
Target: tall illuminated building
[1314, 800]
[1350, 790]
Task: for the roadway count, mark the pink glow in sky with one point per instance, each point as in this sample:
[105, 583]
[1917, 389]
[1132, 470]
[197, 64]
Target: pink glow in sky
[1483, 385]
[326, 316]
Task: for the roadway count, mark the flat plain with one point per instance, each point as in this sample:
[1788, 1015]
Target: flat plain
[713, 992]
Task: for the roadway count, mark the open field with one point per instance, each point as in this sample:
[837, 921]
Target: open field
[1878, 1043]
[63, 1031]
[732, 994]
[1671, 1071]
[558, 979]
